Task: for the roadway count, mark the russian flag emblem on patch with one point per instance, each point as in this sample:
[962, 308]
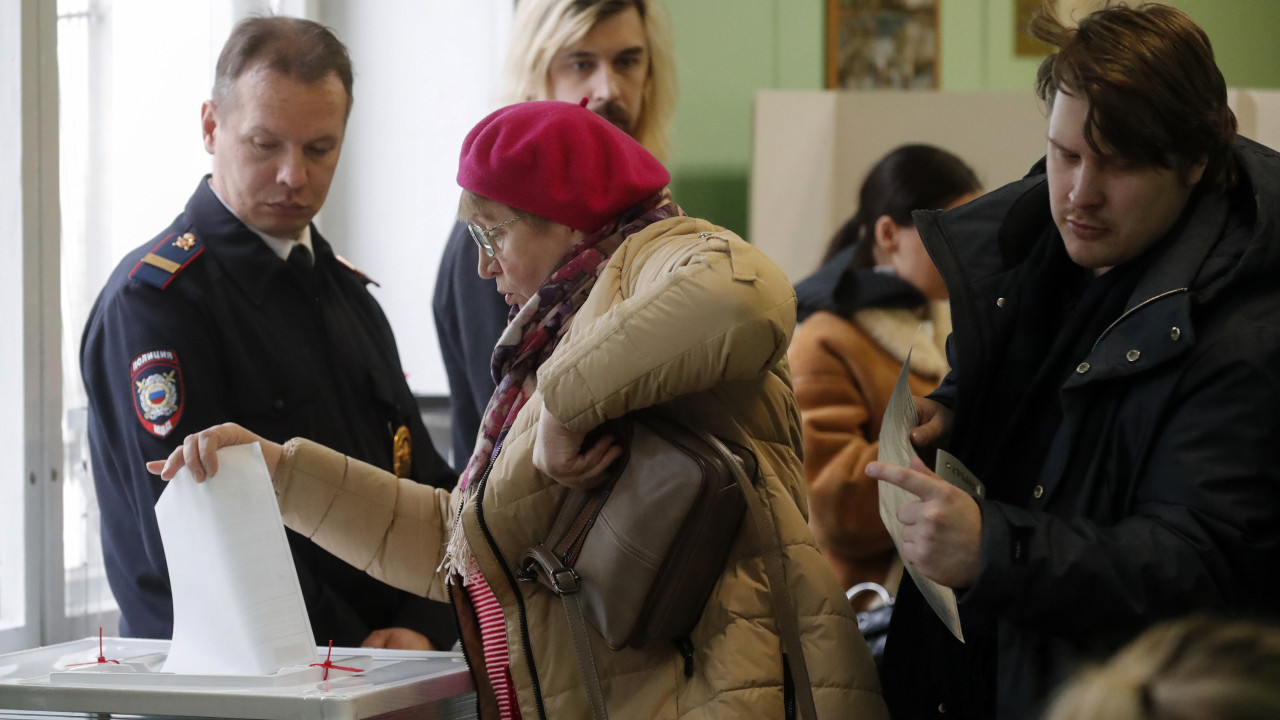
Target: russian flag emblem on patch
[156, 379]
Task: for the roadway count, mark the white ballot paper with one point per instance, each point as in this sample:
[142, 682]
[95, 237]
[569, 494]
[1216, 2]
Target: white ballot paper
[896, 449]
[237, 605]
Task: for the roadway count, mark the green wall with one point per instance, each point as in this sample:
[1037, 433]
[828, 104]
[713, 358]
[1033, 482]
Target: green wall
[726, 50]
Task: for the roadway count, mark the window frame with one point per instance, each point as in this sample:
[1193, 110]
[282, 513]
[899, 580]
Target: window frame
[29, 92]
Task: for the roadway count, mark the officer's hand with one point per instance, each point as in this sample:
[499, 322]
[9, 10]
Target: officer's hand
[199, 452]
[942, 531]
[397, 638]
[934, 422]
[557, 452]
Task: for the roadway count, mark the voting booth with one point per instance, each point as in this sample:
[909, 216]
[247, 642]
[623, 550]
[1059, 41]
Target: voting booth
[812, 149]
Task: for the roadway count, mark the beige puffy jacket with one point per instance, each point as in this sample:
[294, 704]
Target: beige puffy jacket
[685, 314]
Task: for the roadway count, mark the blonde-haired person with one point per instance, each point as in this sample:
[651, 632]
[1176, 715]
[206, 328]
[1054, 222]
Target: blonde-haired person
[1196, 668]
[617, 54]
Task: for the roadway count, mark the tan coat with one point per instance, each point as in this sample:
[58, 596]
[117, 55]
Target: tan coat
[686, 314]
[844, 371]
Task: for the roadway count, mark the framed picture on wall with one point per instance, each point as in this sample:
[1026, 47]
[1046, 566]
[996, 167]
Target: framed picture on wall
[875, 44]
[1024, 45]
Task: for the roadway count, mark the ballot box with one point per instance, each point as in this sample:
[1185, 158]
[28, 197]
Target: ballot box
[122, 677]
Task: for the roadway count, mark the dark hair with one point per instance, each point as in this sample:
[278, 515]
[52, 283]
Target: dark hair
[1155, 95]
[302, 49]
[911, 177]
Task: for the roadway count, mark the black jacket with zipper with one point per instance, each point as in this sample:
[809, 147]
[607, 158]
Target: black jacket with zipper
[1159, 494]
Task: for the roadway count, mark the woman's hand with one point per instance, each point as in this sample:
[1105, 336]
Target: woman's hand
[557, 453]
[199, 452]
[934, 420]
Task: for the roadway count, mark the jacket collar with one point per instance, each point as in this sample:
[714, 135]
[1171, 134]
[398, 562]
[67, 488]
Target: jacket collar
[900, 330]
[1181, 257]
[836, 287]
[238, 250]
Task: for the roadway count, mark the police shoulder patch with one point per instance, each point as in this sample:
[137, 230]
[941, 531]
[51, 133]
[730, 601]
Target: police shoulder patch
[155, 379]
[160, 266]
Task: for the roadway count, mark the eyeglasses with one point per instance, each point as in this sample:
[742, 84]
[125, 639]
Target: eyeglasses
[481, 236]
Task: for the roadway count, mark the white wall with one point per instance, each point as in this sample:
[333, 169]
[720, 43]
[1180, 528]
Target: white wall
[1258, 114]
[425, 74]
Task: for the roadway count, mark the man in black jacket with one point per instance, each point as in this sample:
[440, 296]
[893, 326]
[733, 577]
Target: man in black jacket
[240, 311]
[1115, 382]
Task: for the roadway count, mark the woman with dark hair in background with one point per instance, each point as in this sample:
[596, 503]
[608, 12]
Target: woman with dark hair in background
[860, 313]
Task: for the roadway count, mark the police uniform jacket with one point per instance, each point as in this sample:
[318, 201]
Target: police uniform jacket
[204, 325]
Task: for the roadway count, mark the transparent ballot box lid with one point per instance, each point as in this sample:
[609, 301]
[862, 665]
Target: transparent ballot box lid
[123, 676]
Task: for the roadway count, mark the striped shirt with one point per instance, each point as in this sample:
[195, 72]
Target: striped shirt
[493, 639]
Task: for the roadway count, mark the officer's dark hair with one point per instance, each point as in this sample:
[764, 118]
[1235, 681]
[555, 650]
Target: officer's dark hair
[910, 177]
[301, 49]
[1155, 95]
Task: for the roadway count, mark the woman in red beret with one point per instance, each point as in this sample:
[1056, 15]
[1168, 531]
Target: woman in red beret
[618, 302]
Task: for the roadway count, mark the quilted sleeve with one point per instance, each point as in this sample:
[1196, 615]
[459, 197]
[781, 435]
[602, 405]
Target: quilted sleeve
[693, 311]
[392, 528]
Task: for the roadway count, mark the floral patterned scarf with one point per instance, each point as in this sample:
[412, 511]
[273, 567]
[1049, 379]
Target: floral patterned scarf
[532, 334]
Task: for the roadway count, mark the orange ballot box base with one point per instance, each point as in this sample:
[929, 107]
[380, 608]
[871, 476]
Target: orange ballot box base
[123, 677]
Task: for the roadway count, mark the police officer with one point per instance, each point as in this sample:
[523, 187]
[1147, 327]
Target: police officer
[240, 311]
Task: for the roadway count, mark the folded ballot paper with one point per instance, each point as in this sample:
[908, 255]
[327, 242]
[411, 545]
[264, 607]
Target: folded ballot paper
[896, 449]
[237, 605]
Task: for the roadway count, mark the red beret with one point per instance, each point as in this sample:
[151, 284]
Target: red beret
[560, 161]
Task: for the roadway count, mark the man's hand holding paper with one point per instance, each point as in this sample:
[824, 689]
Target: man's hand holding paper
[942, 531]
[933, 423]
[934, 523]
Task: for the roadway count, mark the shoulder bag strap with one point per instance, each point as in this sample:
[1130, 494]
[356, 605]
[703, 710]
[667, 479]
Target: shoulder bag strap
[564, 582]
[784, 613]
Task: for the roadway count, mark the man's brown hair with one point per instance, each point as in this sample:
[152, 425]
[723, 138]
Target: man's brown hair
[302, 49]
[1155, 95]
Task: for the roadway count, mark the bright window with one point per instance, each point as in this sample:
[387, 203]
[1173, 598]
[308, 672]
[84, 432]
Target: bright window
[132, 74]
